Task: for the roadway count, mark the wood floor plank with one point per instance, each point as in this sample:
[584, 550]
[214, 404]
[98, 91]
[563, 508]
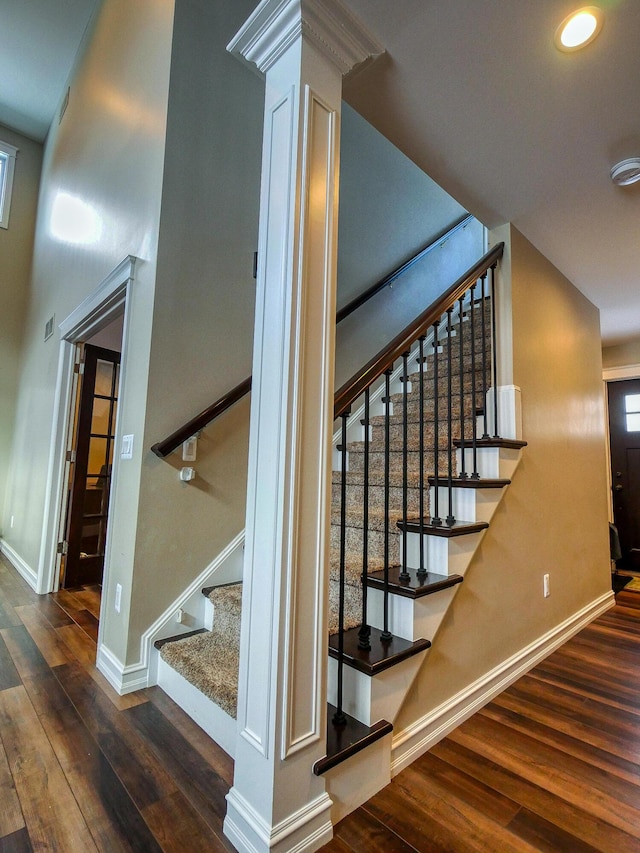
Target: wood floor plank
[593, 747]
[11, 819]
[17, 842]
[208, 749]
[147, 780]
[545, 835]
[90, 598]
[43, 634]
[51, 813]
[609, 799]
[178, 827]
[591, 724]
[80, 615]
[571, 819]
[83, 650]
[204, 788]
[448, 781]
[25, 655]
[113, 819]
[428, 822]
[361, 831]
[9, 676]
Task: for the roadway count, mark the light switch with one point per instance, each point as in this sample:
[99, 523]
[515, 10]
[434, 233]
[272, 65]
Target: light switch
[127, 447]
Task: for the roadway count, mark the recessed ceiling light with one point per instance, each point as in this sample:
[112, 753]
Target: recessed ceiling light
[579, 29]
[626, 172]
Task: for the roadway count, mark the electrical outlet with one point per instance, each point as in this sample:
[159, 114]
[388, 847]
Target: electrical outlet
[12, 520]
[118, 599]
[545, 585]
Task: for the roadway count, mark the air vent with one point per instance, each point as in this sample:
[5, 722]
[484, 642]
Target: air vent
[48, 328]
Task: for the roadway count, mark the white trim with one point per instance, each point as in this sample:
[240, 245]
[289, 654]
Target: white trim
[6, 188]
[123, 679]
[101, 306]
[414, 741]
[250, 833]
[93, 313]
[135, 676]
[276, 24]
[628, 371]
[22, 567]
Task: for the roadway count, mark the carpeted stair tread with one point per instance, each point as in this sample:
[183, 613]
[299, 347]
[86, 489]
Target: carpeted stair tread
[210, 660]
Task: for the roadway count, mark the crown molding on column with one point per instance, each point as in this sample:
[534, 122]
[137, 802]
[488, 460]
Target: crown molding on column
[327, 24]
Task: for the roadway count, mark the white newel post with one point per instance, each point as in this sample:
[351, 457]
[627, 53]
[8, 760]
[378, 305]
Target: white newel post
[276, 803]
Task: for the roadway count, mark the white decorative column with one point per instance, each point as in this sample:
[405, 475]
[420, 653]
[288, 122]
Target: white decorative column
[276, 803]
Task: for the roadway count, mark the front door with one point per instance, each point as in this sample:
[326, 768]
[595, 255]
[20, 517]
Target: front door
[90, 476]
[624, 428]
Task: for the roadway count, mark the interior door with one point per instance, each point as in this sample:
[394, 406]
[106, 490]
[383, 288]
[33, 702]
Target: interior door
[90, 478]
[624, 428]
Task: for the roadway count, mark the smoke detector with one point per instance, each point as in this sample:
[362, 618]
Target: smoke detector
[626, 172]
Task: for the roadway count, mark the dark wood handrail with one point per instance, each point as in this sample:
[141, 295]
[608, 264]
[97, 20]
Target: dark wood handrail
[355, 386]
[352, 306]
[164, 448]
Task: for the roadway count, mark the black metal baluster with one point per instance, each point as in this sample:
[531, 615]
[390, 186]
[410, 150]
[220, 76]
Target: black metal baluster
[494, 340]
[404, 574]
[463, 473]
[339, 717]
[435, 517]
[450, 517]
[485, 413]
[421, 569]
[386, 634]
[365, 631]
[474, 421]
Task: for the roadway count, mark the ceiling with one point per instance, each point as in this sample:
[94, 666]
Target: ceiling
[478, 96]
[38, 44]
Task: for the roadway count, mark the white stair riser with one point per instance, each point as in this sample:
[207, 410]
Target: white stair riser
[493, 462]
[373, 698]
[210, 717]
[209, 610]
[357, 779]
[410, 618]
[468, 504]
[443, 556]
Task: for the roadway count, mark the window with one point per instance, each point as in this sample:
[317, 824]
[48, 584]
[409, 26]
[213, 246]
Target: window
[7, 164]
[632, 412]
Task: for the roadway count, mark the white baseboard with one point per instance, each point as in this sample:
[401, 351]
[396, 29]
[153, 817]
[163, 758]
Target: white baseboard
[143, 673]
[21, 566]
[414, 741]
[306, 830]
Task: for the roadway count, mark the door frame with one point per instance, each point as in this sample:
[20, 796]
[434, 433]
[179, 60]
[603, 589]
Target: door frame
[100, 308]
[614, 374]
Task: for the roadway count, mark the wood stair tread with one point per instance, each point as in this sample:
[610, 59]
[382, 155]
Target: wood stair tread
[417, 586]
[158, 644]
[458, 528]
[382, 655]
[492, 441]
[471, 482]
[346, 740]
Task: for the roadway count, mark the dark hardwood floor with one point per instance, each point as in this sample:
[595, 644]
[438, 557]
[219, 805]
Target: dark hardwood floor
[82, 768]
[552, 764]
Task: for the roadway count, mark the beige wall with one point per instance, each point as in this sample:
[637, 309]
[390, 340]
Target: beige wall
[108, 153]
[16, 249]
[622, 355]
[204, 307]
[553, 518]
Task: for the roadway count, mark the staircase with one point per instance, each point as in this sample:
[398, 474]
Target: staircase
[418, 477]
